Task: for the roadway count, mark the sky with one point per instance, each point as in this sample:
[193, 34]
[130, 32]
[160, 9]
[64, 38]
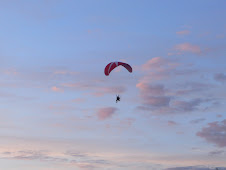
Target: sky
[58, 109]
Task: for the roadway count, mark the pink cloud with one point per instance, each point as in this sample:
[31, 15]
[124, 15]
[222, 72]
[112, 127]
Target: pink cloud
[56, 89]
[78, 100]
[64, 72]
[187, 47]
[157, 99]
[76, 85]
[214, 133]
[127, 122]
[155, 62]
[153, 95]
[183, 32]
[158, 68]
[106, 112]
[11, 71]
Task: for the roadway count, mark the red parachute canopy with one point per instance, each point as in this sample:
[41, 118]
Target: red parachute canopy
[111, 66]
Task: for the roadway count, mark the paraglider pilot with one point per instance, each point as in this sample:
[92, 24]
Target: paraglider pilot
[117, 98]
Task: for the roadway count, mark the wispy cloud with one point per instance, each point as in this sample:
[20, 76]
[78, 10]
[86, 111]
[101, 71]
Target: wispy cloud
[106, 113]
[158, 68]
[171, 123]
[194, 168]
[93, 88]
[78, 100]
[192, 88]
[187, 47]
[187, 105]
[183, 32]
[33, 155]
[159, 63]
[56, 89]
[216, 152]
[151, 89]
[109, 90]
[195, 121]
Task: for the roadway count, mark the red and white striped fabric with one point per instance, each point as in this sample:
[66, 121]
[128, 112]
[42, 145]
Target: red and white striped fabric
[111, 66]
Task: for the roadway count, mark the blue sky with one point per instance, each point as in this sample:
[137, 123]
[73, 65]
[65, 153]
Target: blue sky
[58, 110]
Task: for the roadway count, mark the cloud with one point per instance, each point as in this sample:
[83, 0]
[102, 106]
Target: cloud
[122, 124]
[171, 123]
[56, 89]
[64, 72]
[151, 89]
[197, 121]
[61, 108]
[74, 158]
[159, 63]
[100, 91]
[180, 96]
[157, 101]
[214, 133]
[220, 77]
[153, 95]
[127, 122]
[192, 87]
[168, 105]
[63, 153]
[155, 62]
[216, 153]
[76, 154]
[106, 112]
[86, 166]
[78, 100]
[42, 78]
[94, 88]
[194, 168]
[187, 47]
[183, 32]
[34, 155]
[187, 105]
[11, 71]
[77, 85]
[158, 68]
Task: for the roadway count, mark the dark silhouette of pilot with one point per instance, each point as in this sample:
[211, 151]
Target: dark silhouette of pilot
[117, 98]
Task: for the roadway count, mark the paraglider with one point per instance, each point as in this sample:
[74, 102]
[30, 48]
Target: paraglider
[111, 66]
[117, 98]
